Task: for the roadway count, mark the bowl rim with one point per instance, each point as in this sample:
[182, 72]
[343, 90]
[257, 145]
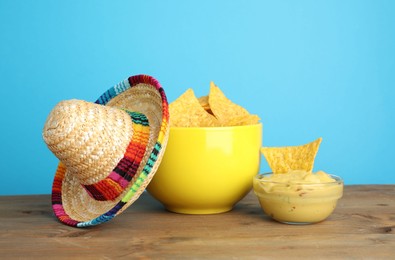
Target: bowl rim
[214, 127]
[338, 180]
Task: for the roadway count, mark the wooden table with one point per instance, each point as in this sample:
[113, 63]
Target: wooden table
[362, 227]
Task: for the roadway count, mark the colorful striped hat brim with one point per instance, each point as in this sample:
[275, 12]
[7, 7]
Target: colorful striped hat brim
[138, 108]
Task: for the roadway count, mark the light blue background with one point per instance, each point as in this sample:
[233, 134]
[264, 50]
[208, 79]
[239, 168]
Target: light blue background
[308, 68]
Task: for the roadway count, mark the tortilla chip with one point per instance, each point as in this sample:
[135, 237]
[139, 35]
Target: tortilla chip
[204, 103]
[224, 109]
[285, 159]
[186, 111]
[243, 120]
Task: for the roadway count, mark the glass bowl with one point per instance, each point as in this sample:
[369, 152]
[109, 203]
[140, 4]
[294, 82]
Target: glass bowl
[297, 202]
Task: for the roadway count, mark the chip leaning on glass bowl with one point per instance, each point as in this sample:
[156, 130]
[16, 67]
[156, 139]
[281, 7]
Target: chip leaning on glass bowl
[292, 193]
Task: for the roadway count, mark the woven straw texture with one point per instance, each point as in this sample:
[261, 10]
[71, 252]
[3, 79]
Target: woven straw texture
[108, 154]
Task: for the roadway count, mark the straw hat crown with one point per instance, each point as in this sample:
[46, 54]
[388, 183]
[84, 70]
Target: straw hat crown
[90, 140]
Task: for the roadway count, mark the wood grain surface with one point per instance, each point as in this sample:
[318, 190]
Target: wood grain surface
[362, 227]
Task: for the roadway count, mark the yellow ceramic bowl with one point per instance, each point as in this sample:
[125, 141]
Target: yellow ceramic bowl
[298, 203]
[207, 170]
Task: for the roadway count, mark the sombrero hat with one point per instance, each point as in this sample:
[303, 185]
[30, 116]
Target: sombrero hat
[108, 150]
